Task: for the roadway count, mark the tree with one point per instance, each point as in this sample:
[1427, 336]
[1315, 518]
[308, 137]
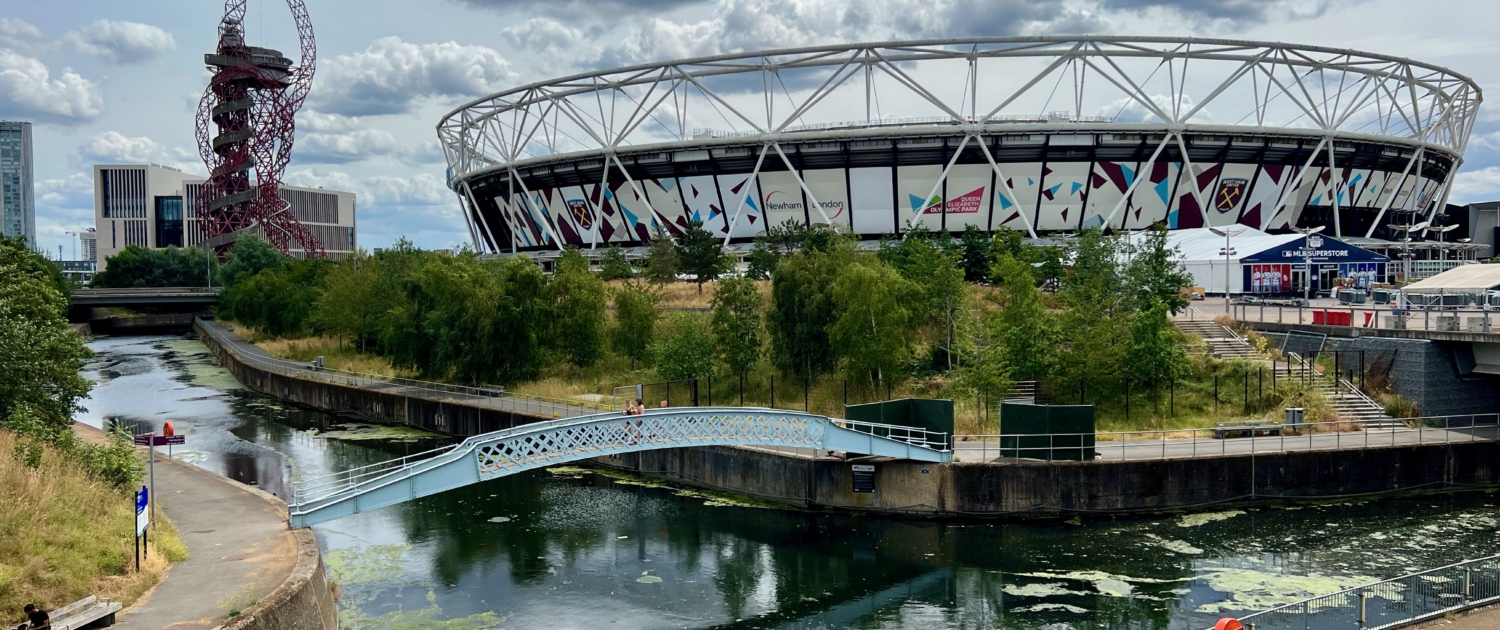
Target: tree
[876, 316]
[353, 300]
[614, 266]
[636, 313]
[937, 275]
[137, 266]
[40, 387]
[684, 350]
[578, 309]
[278, 301]
[1154, 358]
[1024, 328]
[1096, 321]
[1155, 274]
[977, 253]
[737, 324]
[762, 259]
[661, 260]
[801, 307]
[250, 256]
[701, 255]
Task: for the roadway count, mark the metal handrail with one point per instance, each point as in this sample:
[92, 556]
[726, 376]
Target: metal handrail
[1413, 597]
[325, 486]
[1201, 442]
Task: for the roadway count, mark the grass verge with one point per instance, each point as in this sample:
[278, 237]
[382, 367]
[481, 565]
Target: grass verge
[65, 535]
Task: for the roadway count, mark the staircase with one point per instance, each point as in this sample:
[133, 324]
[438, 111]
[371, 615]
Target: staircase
[1222, 342]
[1350, 403]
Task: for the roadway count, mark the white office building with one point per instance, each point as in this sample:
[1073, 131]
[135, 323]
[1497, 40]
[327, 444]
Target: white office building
[154, 206]
[17, 203]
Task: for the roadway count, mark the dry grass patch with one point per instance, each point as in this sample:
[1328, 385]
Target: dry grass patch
[678, 295]
[336, 354]
[65, 535]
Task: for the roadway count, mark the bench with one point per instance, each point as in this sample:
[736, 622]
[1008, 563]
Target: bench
[89, 612]
[1245, 428]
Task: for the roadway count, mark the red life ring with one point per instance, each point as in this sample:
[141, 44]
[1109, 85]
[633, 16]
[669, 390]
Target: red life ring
[1229, 623]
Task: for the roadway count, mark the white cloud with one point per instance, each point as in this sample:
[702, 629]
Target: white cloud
[423, 189]
[27, 90]
[113, 147]
[339, 148]
[1477, 185]
[120, 42]
[75, 190]
[390, 75]
[17, 34]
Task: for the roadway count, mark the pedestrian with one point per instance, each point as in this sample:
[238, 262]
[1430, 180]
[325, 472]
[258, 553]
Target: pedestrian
[640, 406]
[663, 404]
[630, 407]
[38, 618]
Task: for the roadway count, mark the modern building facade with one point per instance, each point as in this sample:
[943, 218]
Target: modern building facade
[89, 245]
[153, 206]
[1043, 135]
[17, 201]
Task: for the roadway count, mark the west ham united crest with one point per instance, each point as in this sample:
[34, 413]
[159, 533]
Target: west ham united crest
[580, 210]
[1229, 194]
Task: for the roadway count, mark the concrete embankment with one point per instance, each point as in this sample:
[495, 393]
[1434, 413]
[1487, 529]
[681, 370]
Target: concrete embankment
[1068, 488]
[960, 489]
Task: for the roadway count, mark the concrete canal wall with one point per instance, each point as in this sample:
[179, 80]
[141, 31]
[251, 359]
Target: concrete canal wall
[1068, 488]
[959, 489]
[393, 407]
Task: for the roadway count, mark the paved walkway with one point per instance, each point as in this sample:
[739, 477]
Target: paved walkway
[238, 542]
[1484, 619]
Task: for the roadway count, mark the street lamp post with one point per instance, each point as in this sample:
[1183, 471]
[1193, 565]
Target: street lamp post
[1228, 253]
[1406, 246]
[1307, 249]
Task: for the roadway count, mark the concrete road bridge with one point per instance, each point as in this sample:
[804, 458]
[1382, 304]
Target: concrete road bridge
[538, 445]
[145, 296]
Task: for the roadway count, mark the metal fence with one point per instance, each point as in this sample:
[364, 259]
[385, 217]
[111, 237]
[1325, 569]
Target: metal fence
[1392, 603]
[1239, 439]
[1434, 319]
[486, 396]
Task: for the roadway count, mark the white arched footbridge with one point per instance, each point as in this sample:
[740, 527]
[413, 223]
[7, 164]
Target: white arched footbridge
[543, 444]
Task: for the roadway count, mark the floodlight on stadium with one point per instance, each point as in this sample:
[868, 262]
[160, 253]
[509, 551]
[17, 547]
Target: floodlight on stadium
[1042, 135]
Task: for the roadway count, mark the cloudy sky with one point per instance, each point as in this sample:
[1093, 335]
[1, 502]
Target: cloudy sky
[113, 82]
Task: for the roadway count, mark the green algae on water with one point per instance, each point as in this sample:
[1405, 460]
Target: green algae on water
[385, 433]
[365, 565]
[1194, 520]
[421, 619]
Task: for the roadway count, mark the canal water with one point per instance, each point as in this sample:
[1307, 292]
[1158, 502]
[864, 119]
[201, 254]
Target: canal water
[576, 547]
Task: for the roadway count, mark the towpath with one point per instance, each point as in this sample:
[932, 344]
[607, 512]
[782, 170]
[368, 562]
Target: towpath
[239, 547]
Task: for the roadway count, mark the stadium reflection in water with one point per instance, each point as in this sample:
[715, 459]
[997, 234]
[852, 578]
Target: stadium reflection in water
[577, 548]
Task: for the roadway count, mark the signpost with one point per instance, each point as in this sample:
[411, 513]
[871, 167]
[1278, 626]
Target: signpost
[153, 440]
[142, 520]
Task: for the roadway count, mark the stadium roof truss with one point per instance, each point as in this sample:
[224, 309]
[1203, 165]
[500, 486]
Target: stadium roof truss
[1163, 87]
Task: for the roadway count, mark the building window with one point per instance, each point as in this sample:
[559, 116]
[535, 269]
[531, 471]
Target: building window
[169, 221]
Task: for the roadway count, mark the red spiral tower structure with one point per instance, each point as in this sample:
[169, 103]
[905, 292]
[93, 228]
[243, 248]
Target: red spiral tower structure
[249, 109]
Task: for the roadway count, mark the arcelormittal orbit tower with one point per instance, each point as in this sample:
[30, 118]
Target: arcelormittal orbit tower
[245, 129]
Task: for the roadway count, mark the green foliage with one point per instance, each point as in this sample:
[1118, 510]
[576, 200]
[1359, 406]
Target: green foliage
[249, 256]
[578, 303]
[737, 324]
[136, 266]
[662, 260]
[802, 306]
[684, 350]
[614, 266]
[701, 254]
[877, 311]
[1023, 327]
[636, 313]
[1154, 275]
[977, 253]
[16, 253]
[937, 274]
[1154, 358]
[353, 300]
[278, 300]
[39, 382]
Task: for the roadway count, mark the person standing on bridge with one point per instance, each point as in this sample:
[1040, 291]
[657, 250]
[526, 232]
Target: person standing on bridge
[630, 408]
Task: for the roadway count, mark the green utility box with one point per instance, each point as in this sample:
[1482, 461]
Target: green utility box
[931, 415]
[1050, 432]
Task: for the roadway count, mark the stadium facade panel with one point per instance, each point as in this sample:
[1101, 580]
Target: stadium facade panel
[1182, 132]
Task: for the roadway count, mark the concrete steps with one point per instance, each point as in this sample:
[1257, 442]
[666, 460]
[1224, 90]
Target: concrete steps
[1351, 406]
[1221, 343]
